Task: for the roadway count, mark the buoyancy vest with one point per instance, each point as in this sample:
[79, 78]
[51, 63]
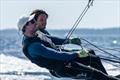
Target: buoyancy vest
[44, 37]
[44, 31]
[50, 64]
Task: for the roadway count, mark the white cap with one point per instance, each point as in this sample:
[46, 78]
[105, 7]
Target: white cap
[23, 20]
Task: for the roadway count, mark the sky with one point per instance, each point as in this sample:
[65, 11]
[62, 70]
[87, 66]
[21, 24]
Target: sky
[62, 13]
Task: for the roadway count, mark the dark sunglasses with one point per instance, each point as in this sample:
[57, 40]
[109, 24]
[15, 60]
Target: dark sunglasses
[32, 21]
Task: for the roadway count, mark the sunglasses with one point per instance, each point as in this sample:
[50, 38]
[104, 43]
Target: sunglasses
[32, 22]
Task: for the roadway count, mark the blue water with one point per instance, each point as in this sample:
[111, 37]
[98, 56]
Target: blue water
[106, 39]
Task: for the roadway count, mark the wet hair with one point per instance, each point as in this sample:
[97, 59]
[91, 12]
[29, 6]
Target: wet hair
[38, 12]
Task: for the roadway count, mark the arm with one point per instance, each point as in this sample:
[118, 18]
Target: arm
[60, 41]
[36, 49]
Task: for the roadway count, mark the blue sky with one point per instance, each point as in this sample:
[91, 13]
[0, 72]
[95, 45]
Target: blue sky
[62, 13]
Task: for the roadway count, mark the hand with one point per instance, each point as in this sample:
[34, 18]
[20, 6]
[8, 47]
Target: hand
[76, 41]
[83, 53]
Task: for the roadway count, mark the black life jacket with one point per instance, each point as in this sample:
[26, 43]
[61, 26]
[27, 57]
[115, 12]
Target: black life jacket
[44, 31]
[50, 64]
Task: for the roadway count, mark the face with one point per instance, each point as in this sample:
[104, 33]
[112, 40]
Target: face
[42, 21]
[31, 27]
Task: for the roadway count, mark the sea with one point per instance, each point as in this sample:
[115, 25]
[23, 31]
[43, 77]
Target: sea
[15, 66]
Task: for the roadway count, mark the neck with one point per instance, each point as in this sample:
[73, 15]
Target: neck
[30, 34]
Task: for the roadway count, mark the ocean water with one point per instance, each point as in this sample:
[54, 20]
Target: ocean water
[15, 66]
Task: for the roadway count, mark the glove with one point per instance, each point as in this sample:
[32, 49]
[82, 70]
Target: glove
[83, 53]
[76, 41]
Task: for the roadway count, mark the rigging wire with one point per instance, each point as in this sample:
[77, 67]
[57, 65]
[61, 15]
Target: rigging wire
[111, 49]
[115, 61]
[112, 58]
[106, 58]
[100, 49]
[104, 48]
[90, 3]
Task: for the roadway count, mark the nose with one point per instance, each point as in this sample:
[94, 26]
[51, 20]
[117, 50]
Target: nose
[36, 26]
[33, 25]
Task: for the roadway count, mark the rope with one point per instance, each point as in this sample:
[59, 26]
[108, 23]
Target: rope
[90, 3]
[115, 61]
[100, 49]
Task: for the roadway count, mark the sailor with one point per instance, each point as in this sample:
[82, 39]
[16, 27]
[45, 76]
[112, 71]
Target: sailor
[64, 64]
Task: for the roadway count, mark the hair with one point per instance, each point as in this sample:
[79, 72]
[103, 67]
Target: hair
[23, 29]
[38, 12]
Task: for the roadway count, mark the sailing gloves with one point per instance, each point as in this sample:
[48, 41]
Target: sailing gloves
[76, 41]
[83, 53]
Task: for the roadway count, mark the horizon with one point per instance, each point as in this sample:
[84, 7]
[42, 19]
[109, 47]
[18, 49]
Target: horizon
[63, 14]
[69, 29]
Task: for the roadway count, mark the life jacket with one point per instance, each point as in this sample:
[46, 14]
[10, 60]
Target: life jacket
[44, 31]
[44, 37]
[50, 64]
